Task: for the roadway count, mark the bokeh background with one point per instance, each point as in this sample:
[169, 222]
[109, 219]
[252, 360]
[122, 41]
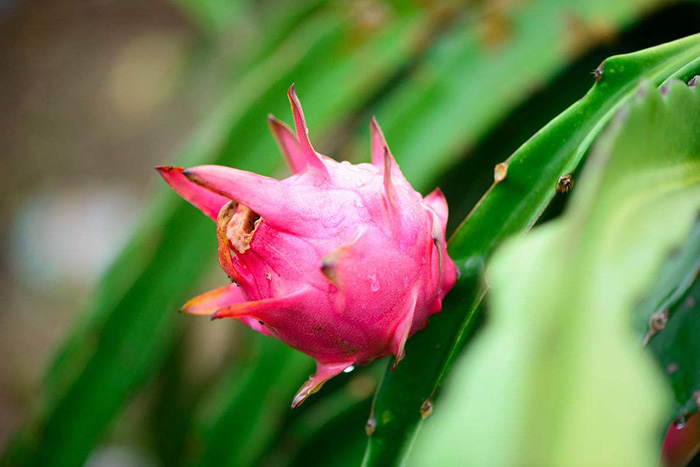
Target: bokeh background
[94, 93]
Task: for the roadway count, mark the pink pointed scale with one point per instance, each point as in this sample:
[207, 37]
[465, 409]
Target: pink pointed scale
[288, 207]
[380, 150]
[389, 188]
[296, 157]
[312, 159]
[439, 243]
[274, 311]
[324, 372]
[437, 202]
[207, 303]
[206, 201]
[266, 196]
[403, 329]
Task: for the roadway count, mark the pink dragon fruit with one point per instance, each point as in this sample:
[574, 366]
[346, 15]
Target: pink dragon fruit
[342, 262]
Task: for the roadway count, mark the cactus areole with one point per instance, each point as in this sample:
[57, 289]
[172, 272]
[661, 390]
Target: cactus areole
[342, 262]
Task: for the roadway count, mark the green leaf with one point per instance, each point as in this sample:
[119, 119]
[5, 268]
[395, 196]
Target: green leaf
[330, 432]
[507, 208]
[678, 273]
[672, 310]
[168, 413]
[237, 419]
[557, 373]
[678, 351]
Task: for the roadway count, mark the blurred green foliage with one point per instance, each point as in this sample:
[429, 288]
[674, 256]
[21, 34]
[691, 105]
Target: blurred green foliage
[446, 80]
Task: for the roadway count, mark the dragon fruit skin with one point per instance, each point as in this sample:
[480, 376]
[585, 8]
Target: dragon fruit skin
[342, 262]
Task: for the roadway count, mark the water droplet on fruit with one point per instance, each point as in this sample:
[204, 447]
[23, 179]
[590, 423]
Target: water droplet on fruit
[679, 423]
[373, 283]
[348, 369]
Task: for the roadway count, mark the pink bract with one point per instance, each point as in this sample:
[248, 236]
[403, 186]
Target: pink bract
[342, 262]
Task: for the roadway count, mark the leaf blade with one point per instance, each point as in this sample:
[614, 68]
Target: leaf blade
[558, 353]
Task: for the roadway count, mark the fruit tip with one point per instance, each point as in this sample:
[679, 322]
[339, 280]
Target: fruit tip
[162, 169]
[190, 175]
[438, 192]
[298, 400]
[185, 309]
[397, 359]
